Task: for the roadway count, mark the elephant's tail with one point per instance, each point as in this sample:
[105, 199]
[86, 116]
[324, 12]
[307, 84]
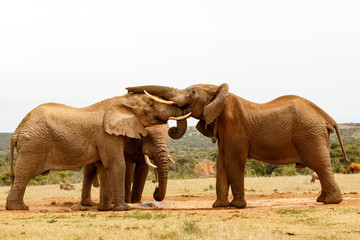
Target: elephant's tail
[13, 143]
[340, 141]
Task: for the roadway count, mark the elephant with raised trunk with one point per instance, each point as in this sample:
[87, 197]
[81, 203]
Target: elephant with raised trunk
[138, 153]
[58, 137]
[289, 129]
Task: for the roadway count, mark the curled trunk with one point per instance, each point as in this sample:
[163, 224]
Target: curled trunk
[178, 131]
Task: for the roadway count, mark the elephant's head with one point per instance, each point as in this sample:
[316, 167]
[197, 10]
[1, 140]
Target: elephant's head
[204, 101]
[130, 114]
[155, 147]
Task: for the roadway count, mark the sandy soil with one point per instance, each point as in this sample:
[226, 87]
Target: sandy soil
[198, 204]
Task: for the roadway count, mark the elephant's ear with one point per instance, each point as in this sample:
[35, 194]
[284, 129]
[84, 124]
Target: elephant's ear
[206, 130]
[121, 120]
[216, 105]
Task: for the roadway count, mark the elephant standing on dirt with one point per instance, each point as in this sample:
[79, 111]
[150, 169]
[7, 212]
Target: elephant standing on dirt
[137, 154]
[58, 137]
[289, 129]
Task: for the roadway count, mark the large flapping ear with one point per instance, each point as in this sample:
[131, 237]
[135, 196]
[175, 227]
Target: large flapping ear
[121, 120]
[215, 107]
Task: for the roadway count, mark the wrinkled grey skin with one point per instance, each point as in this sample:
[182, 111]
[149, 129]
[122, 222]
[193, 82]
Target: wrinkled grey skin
[154, 144]
[289, 129]
[58, 137]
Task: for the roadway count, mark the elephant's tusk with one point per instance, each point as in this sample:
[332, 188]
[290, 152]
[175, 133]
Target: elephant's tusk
[147, 160]
[180, 118]
[171, 159]
[157, 99]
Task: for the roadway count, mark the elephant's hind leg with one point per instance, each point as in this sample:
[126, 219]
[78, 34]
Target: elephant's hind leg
[15, 199]
[26, 167]
[330, 191]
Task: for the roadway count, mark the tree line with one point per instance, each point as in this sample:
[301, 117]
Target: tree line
[192, 148]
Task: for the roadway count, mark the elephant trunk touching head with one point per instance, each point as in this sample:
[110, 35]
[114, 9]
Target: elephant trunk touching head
[166, 93]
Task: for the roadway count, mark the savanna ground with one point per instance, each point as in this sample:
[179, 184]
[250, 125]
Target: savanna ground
[278, 208]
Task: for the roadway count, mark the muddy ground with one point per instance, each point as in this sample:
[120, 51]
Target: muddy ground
[198, 204]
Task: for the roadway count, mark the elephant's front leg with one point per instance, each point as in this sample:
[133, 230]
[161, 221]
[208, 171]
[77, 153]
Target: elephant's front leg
[129, 177]
[235, 168]
[117, 181]
[140, 174]
[222, 182]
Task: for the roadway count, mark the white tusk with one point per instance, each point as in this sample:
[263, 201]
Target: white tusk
[171, 160]
[157, 99]
[147, 160]
[180, 118]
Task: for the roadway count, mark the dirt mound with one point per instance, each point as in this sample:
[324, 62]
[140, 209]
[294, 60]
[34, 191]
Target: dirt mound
[205, 169]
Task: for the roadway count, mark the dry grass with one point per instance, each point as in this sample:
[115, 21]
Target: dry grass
[320, 222]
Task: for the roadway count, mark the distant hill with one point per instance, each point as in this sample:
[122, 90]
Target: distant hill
[348, 131]
[194, 140]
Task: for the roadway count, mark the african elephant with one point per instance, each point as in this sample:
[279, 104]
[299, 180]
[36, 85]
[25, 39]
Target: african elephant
[58, 137]
[137, 152]
[289, 129]
[353, 167]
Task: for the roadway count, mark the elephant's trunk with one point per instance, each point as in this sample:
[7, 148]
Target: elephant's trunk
[160, 91]
[178, 131]
[162, 163]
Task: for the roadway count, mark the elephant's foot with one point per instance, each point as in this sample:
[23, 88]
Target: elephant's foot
[105, 206]
[328, 198]
[322, 197]
[238, 202]
[221, 203]
[16, 205]
[122, 206]
[333, 198]
[87, 202]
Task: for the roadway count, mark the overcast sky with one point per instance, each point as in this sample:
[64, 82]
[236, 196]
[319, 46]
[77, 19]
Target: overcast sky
[81, 52]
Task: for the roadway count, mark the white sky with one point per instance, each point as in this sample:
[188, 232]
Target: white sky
[81, 52]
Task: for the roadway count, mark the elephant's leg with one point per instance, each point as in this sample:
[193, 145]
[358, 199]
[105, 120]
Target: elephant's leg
[321, 164]
[111, 151]
[140, 174]
[26, 168]
[129, 176]
[105, 189]
[222, 182]
[117, 182]
[235, 168]
[15, 199]
[90, 172]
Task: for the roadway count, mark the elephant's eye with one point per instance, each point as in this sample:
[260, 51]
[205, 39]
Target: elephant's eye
[152, 105]
[193, 91]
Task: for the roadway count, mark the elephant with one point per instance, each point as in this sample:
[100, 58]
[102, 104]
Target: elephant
[58, 137]
[137, 153]
[288, 129]
[353, 167]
